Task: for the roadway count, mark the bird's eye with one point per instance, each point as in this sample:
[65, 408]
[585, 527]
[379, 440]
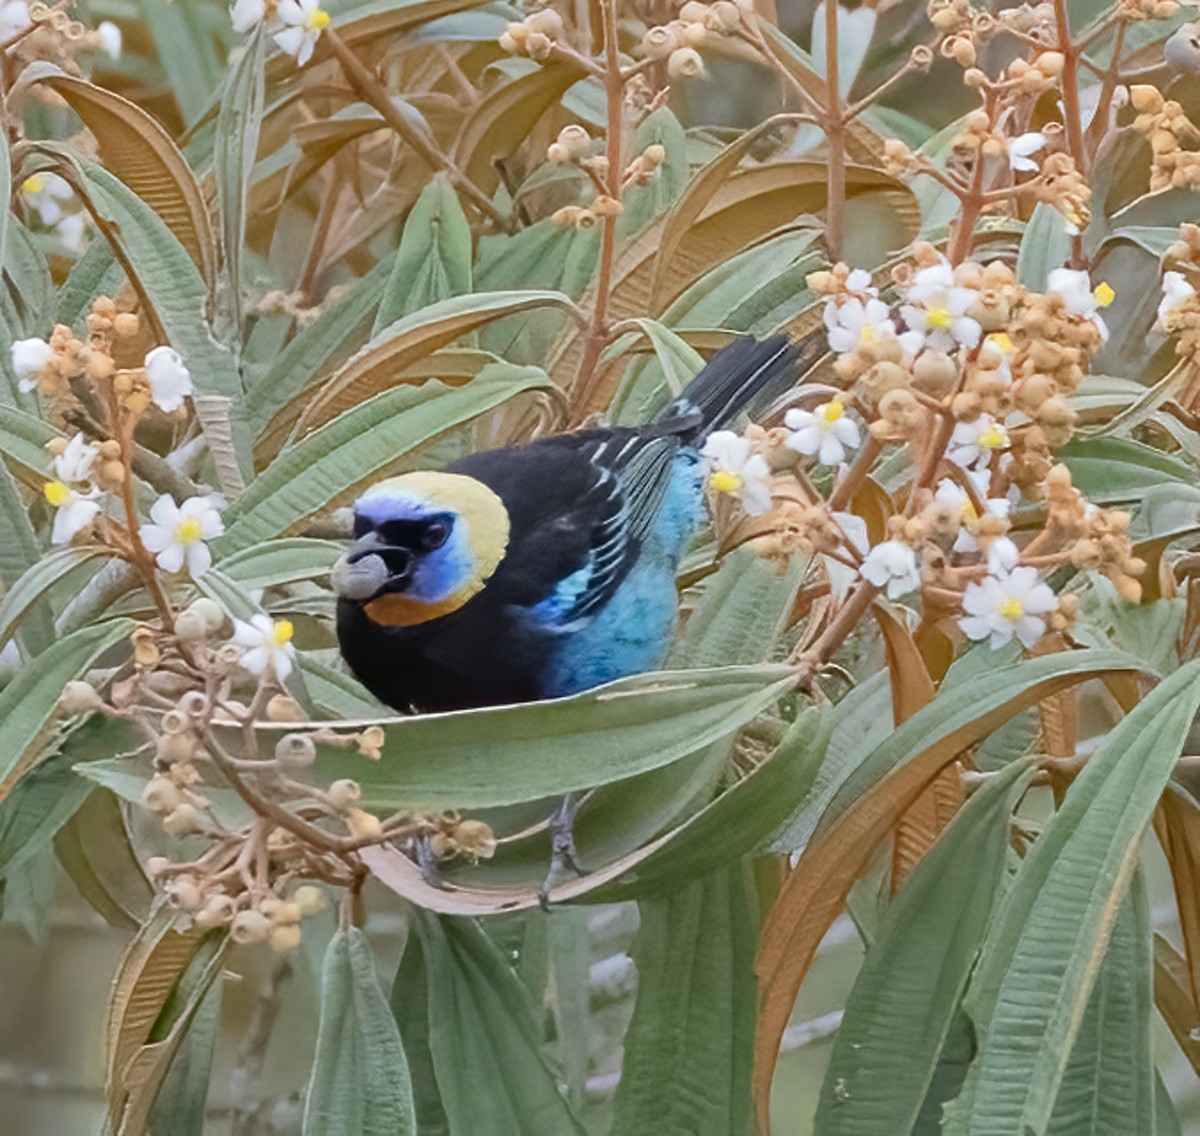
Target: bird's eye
[436, 533]
[362, 526]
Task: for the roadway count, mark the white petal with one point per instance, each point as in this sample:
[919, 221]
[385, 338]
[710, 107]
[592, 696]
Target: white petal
[830, 451]
[256, 660]
[246, 14]
[846, 432]
[170, 559]
[199, 559]
[156, 537]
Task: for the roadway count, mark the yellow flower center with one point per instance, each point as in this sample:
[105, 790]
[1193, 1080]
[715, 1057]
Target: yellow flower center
[1104, 294]
[316, 20]
[188, 531]
[281, 632]
[831, 411]
[725, 481]
[56, 493]
[34, 183]
[938, 318]
[994, 437]
[1012, 609]
[1001, 341]
[968, 510]
[866, 334]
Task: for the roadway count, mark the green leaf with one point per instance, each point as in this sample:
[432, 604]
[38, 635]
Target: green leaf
[900, 1010]
[182, 41]
[1108, 1087]
[20, 550]
[43, 575]
[689, 1049]
[433, 261]
[95, 850]
[282, 561]
[1045, 245]
[29, 702]
[327, 466]
[339, 694]
[97, 272]
[359, 1084]
[482, 1033]
[506, 754]
[1040, 962]
[238, 124]
[179, 1106]
[23, 439]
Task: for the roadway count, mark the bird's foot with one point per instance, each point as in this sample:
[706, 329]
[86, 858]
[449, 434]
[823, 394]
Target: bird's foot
[426, 860]
[564, 859]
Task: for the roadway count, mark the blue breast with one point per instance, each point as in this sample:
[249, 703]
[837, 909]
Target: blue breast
[632, 632]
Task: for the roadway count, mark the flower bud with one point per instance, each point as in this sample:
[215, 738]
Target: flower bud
[79, 698]
[574, 139]
[156, 865]
[216, 912]
[934, 372]
[1050, 63]
[281, 708]
[249, 927]
[309, 899]
[539, 46]
[547, 22]
[190, 627]
[1145, 99]
[605, 206]
[659, 42]
[183, 820]
[685, 63]
[363, 825]
[295, 751]
[125, 323]
[724, 16]
[210, 611]
[193, 704]
[184, 893]
[342, 794]
[172, 748]
[558, 154]
[161, 795]
[654, 155]
[693, 12]
[285, 937]
[287, 912]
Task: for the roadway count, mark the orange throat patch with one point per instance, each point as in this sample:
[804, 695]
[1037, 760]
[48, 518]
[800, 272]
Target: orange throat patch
[398, 610]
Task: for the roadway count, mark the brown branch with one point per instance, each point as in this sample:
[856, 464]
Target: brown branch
[835, 133]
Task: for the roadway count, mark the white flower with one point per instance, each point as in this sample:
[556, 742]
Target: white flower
[1074, 288]
[937, 309]
[30, 358]
[893, 566]
[178, 533]
[247, 14]
[305, 21]
[859, 282]
[1001, 606]
[71, 230]
[77, 462]
[268, 643]
[1019, 150]
[109, 36]
[44, 194]
[14, 19]
[168, 378]
[74, 511]
[735, 470]
[954, 496]
[973, 443]
[1176, 293]
[826, 432]
[853, 323]
[1002, 555]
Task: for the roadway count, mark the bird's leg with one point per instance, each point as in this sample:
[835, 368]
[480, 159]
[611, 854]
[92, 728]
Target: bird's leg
[426, 860]
[564, 860]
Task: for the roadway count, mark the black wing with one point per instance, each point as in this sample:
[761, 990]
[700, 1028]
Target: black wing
[580, 506]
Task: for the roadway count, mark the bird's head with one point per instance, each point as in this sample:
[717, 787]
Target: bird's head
[425, 543]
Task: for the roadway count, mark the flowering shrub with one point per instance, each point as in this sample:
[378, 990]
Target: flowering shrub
[936, 677]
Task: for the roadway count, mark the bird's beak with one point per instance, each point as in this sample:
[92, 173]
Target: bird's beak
[369, 568]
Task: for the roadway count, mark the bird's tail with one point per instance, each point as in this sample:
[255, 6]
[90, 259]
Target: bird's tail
[746, 375]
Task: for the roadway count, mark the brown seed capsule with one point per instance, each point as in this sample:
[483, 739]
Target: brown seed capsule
[161, 795]
[281, 708]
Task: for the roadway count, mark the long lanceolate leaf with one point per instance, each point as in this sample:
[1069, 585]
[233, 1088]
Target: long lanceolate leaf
[903, 1002]
[1040, 963]
[863, 811]
[360, 1084]
[475, 1030]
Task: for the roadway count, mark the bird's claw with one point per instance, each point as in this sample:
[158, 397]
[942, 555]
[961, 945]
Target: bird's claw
[564, 858]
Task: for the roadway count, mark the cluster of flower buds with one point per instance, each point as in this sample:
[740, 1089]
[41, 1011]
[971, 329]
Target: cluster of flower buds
[970, 362]
[1169, 131]
[1179, 309]
[535, 36]
[676, 42]
[1137, 10]
[44, 31]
